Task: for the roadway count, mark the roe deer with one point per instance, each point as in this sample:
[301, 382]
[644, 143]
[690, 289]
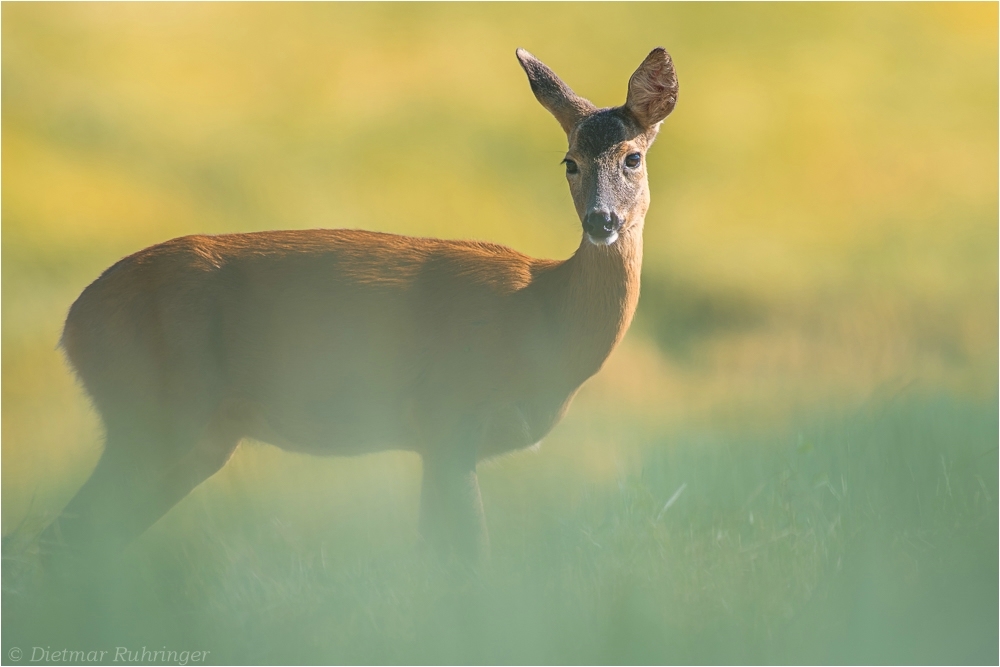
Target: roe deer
[346, 341]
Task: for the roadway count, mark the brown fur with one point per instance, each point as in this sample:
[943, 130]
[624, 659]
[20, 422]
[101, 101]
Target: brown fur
[347, 342]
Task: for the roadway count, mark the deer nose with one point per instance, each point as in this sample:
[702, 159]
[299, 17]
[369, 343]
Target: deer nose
[601, 224]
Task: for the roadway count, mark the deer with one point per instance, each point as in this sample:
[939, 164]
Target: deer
[346, 342]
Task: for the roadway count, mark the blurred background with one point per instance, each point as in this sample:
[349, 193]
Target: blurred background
[813, 368]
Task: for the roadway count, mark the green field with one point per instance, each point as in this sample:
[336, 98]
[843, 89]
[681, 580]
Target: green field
[812, 377]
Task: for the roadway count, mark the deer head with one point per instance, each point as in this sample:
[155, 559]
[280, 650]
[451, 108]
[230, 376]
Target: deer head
[606, 159]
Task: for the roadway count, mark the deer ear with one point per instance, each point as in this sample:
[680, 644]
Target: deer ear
[568, 107]
[652, 90]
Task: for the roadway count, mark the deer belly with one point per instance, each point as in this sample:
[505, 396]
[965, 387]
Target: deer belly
[338, 393]
[340, 412]
[333, 429]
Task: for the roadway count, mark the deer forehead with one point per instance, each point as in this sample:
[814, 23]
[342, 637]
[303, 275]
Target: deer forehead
[607, 131]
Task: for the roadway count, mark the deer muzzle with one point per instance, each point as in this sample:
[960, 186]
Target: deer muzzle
[602, 226]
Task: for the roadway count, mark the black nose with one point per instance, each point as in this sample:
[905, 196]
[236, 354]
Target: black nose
[601, 224]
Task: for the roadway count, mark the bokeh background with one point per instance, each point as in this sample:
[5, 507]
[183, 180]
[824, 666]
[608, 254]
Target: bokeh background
[791, 458]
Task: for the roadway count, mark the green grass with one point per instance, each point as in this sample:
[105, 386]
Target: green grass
[868, 536]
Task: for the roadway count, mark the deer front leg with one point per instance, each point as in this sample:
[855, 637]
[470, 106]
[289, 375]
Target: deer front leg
[451, 508]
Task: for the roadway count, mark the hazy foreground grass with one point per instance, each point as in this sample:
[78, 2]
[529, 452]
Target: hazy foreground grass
[864, 536]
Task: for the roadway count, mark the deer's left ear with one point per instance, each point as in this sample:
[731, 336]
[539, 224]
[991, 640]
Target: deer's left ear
[652, 90]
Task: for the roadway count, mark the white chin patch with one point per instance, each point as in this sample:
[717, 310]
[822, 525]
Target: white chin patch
[608, 241]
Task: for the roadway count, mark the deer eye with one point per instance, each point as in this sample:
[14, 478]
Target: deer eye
[571, 167]
[632, 160]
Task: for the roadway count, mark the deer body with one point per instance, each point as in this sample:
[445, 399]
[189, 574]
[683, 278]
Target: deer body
[348, 342]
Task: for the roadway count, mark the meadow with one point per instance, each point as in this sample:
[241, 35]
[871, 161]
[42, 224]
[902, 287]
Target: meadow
[793, 456]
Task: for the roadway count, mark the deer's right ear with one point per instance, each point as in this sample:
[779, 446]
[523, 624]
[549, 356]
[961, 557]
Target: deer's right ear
[568, 107]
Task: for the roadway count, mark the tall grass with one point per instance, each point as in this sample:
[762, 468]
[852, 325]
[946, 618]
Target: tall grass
[864, 536]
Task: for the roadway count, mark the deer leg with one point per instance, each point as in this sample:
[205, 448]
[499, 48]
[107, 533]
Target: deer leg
[137, 480]
[100, 516]
[210, 453]
[451, 508]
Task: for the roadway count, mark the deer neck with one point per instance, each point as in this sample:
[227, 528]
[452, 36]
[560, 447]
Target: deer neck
[598, 295]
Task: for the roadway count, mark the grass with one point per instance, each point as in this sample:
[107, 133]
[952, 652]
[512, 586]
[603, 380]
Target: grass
[862, 537]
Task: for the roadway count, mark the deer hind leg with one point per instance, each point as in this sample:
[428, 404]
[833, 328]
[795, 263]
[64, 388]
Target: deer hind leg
[211, 451]
[143, 472]
[100, 516]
